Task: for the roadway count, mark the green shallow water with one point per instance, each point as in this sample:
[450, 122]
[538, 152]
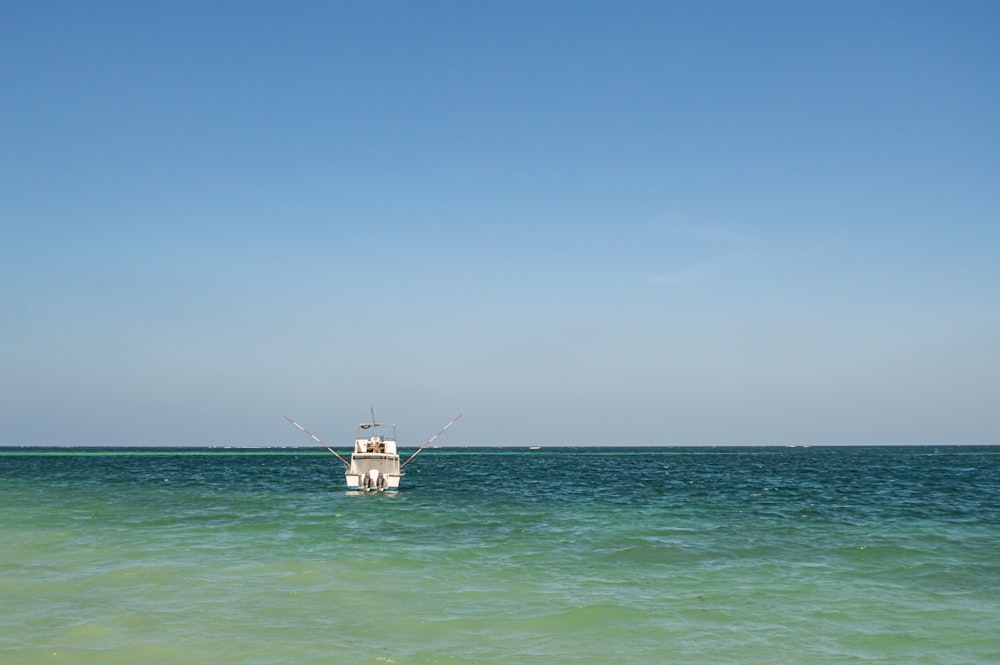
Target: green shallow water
[820, 555]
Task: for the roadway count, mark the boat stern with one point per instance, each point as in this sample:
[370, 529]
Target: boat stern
[372, 481]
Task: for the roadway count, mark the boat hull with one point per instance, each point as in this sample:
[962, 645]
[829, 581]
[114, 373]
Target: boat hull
[373, 472]
[355, 483]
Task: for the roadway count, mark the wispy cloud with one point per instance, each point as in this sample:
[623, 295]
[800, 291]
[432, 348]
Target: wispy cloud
[718, 235]
[710, 250]
[706, 233]
[819, 249]
[677, 277]
[706, 248]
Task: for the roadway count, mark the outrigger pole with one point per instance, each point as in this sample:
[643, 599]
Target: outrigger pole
[316, 439]
[410, 458]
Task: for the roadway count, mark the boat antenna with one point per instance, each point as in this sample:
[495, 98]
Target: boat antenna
[374, 424]
[317, 440]
[410, 458]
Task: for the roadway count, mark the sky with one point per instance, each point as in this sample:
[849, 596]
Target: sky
[576, 223]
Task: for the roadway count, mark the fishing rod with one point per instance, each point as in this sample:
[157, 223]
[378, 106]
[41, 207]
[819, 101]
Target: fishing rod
[317, 440]
[410, 458]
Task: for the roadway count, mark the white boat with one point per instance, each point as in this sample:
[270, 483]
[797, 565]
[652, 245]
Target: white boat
[374, 465]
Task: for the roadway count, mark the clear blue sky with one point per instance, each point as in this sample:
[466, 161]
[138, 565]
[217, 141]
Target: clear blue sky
[678, 223]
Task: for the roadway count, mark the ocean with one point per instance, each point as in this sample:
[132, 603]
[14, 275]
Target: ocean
[575, 556]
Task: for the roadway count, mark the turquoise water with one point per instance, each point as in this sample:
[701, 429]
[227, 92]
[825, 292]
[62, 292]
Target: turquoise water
[575, 556]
